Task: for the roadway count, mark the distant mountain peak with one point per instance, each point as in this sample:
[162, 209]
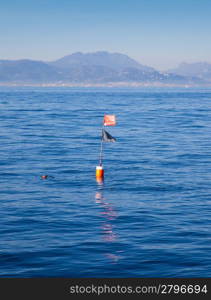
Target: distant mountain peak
[116, 61]
[201, 70]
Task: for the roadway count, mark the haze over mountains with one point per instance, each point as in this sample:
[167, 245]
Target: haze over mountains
[201, 70]
[99, 68]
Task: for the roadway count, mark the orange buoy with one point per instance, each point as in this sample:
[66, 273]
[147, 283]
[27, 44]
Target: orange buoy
[44, 176]
[99, 172]
[100, 180]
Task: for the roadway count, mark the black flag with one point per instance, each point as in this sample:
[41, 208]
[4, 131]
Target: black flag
[106, 137]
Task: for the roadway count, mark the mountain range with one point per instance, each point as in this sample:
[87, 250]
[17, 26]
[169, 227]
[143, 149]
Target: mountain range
[200, 70]
[99, 68]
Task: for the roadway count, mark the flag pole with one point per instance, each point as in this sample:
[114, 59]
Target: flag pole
[101, 148]
[99, 169]
[108, 120]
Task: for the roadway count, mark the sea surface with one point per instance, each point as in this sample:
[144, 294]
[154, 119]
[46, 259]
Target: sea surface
[151, 217]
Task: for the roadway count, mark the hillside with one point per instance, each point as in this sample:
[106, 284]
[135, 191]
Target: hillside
[94, 68]
[200, 70]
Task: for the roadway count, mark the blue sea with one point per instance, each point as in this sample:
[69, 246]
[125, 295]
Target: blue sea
[151, 217]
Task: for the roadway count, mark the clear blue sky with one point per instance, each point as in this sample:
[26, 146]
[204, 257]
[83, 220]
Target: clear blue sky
[158, 33]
